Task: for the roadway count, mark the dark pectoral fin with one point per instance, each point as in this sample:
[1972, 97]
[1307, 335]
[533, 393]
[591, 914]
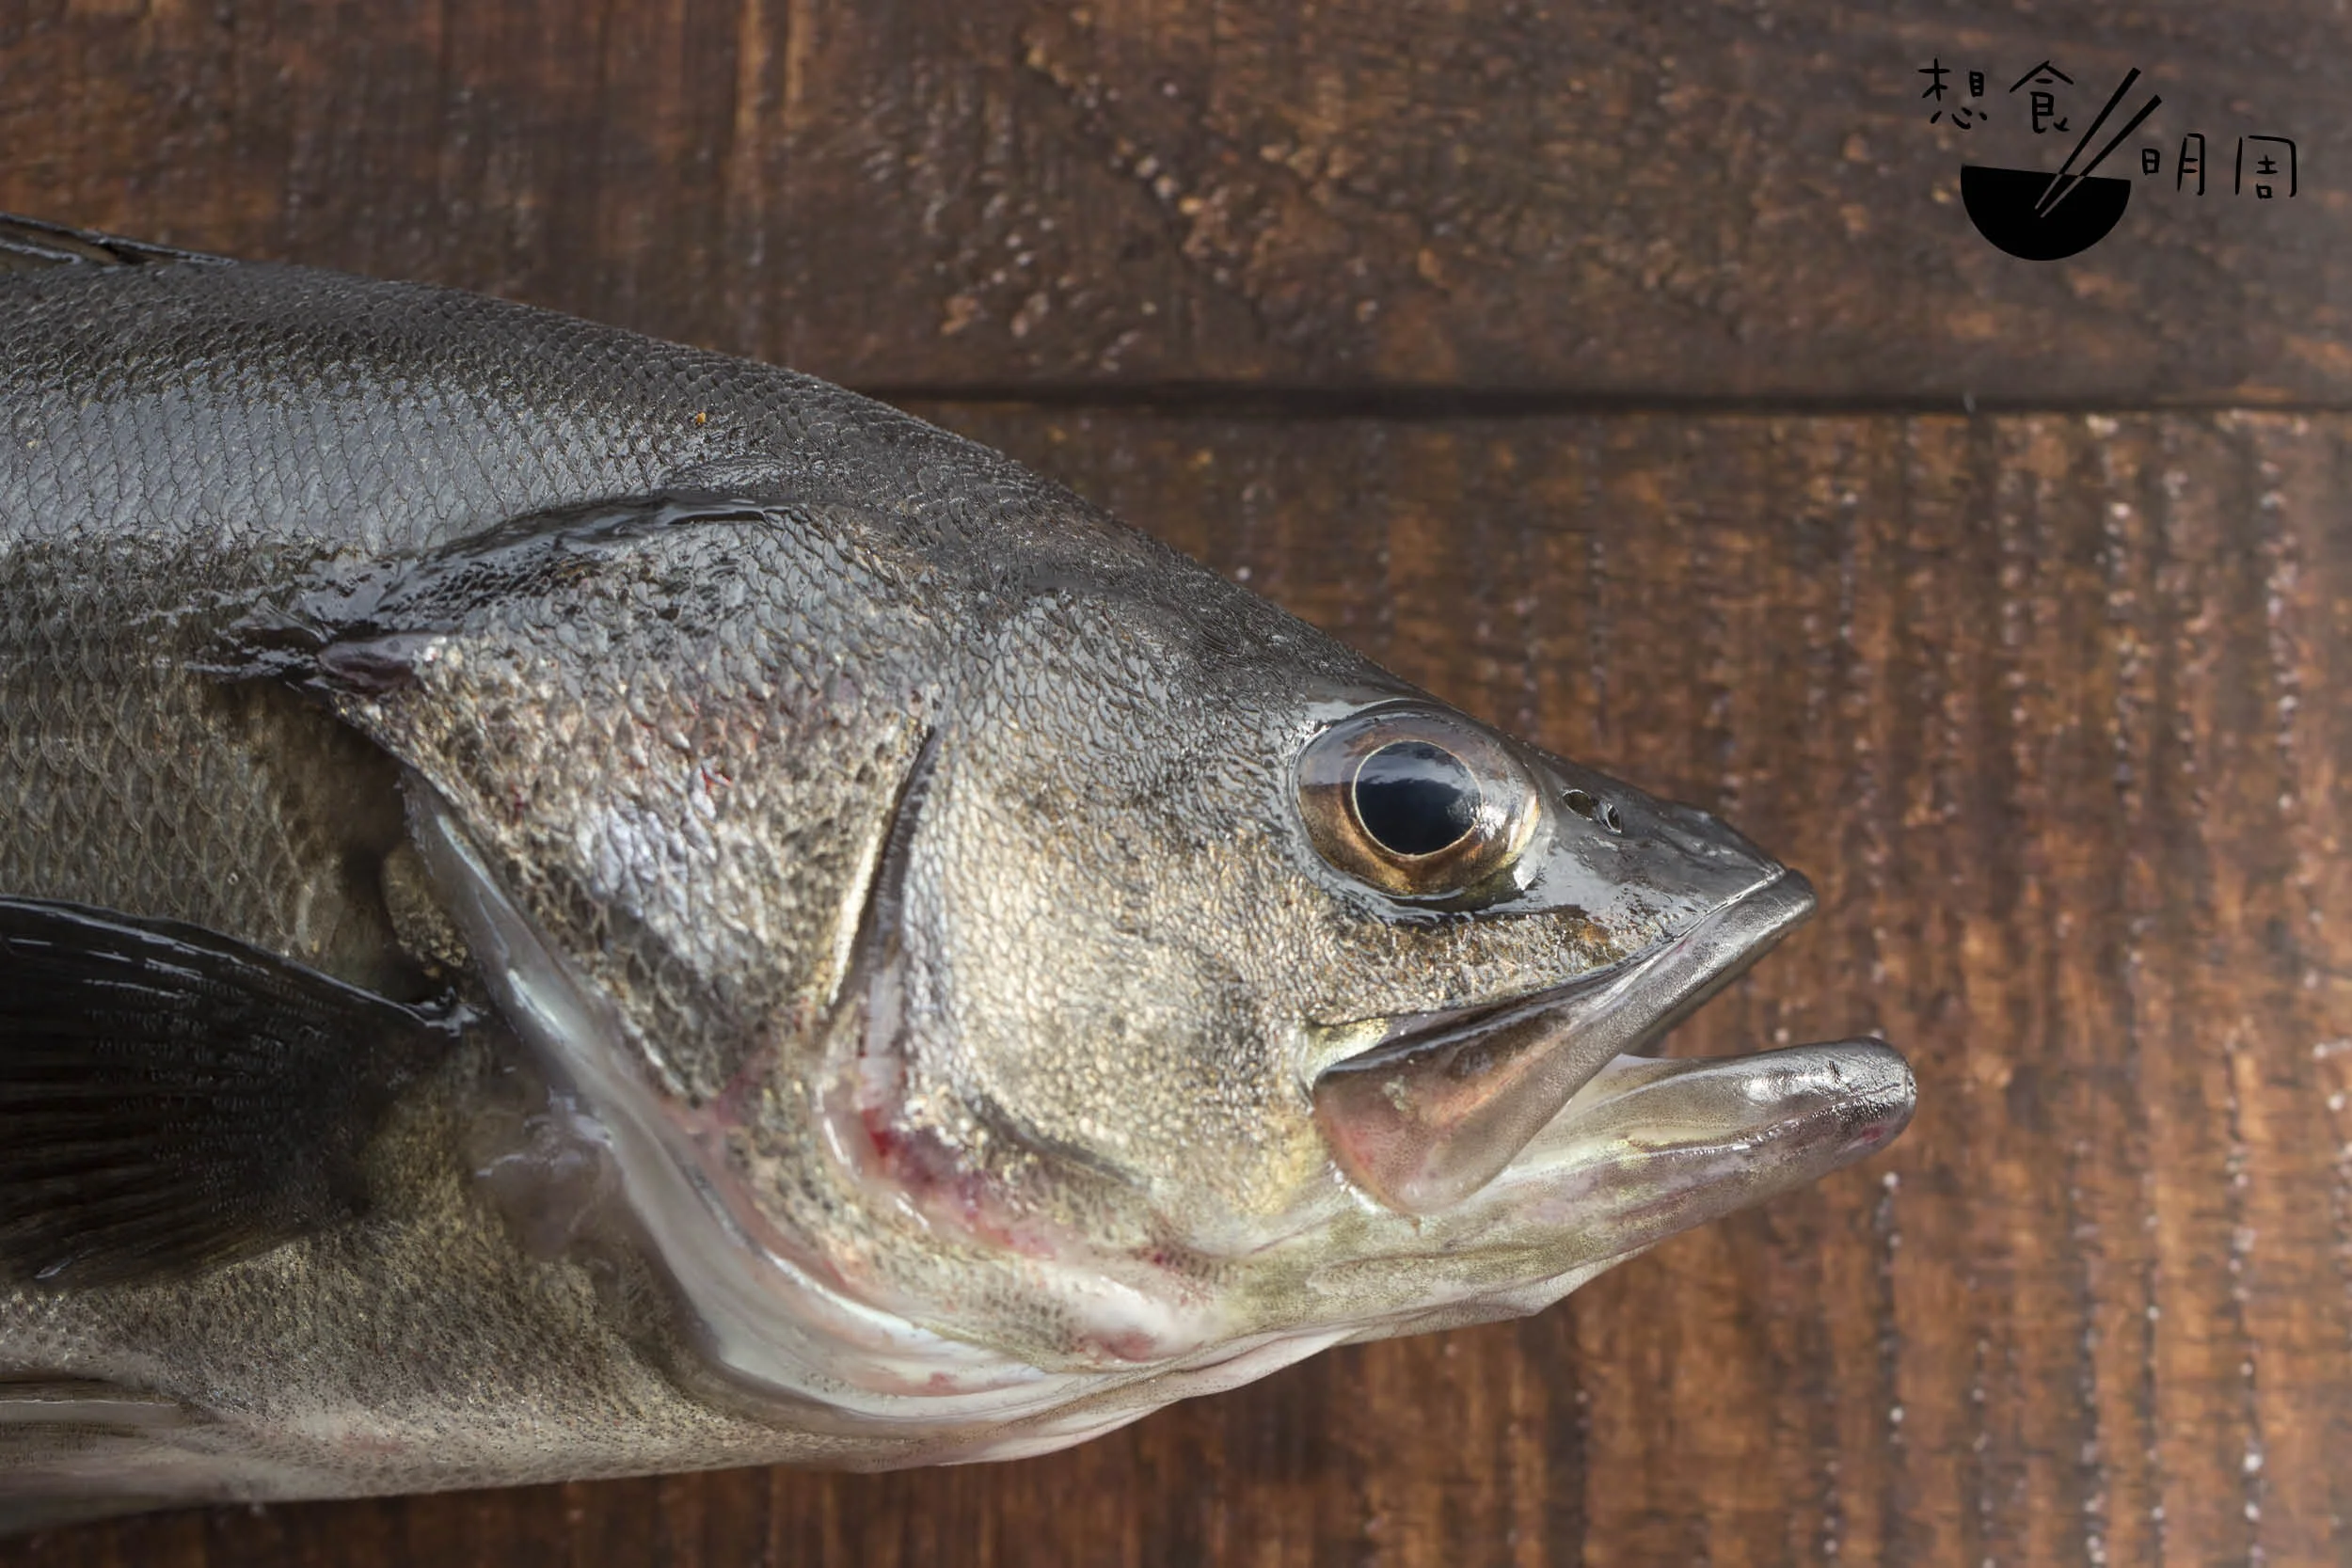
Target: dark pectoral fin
[171, 1099]
[31, 243]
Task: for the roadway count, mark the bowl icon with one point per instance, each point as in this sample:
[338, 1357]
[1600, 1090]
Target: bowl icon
[2002, 204]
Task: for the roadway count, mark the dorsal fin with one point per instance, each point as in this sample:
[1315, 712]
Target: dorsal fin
[28, 244]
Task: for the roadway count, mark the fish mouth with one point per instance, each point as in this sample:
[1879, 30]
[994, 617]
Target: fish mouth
[1441, 1106]
[1647, 1149]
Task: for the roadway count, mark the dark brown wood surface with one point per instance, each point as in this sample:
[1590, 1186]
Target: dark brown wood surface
[1582, 363]
[1682, 199]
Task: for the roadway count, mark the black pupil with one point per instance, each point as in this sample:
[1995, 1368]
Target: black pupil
[1415, 799]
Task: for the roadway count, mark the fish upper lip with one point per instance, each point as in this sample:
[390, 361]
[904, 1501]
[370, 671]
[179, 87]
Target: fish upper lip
[1428, 1115]
[1409, 1033]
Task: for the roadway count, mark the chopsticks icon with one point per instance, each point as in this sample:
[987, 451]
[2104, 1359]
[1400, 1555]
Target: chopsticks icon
[2062, 184]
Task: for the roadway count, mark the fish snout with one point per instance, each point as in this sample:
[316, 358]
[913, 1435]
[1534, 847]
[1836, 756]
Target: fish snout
[1619, 849]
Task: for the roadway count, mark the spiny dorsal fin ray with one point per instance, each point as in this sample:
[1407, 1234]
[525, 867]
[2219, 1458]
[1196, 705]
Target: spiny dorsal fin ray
[29, 244]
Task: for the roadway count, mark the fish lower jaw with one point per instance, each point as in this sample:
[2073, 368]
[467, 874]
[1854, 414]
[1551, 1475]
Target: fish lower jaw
[1651, 1147]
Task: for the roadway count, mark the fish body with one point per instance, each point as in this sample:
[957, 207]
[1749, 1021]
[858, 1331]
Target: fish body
[572, 906]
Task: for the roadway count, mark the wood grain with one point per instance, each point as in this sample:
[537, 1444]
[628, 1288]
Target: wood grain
[2045, 704]
[1566, 201]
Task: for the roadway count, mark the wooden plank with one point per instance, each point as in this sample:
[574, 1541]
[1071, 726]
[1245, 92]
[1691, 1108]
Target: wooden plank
[1613, 202]
[2047, 707]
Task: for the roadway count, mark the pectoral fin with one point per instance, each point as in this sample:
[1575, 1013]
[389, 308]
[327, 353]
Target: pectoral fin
[173, 1098]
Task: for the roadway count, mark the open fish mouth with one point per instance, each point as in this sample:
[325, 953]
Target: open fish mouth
[1446, 1102]
[1647, 1149]
[1645, 1137]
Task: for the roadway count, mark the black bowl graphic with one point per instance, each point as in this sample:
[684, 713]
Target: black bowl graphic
[2000, 203]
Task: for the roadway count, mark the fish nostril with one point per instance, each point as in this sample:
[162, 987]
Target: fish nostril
[1585, 805]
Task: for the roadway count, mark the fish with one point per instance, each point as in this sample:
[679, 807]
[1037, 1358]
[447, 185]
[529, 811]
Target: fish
[573, 906]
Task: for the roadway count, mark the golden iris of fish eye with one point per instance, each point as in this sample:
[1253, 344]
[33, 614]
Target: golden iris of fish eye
[1501, 824]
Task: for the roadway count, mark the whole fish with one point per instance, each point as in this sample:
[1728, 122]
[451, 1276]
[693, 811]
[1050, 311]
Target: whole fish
[571, 905]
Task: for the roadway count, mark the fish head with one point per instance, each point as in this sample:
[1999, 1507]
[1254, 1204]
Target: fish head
[1222, 911]
[1228, 989]
[1100, 987]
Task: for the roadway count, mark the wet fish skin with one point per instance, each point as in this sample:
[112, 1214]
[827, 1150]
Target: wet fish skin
[173, 453]
[428, 642]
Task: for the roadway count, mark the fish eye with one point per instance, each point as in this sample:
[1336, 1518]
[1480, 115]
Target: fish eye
[1414, 798]
[1416, 804]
